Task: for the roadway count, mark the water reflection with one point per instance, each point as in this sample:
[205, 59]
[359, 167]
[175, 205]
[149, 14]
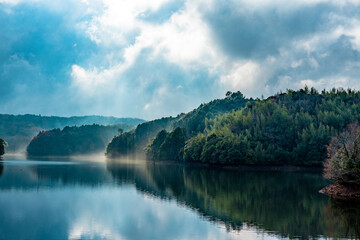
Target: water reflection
[142, 200]
[281, 202]
[343, 217]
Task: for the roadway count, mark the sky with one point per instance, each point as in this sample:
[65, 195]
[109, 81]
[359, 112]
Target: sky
[155, 58]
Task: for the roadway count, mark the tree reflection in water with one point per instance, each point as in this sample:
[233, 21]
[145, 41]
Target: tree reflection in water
[287, 203]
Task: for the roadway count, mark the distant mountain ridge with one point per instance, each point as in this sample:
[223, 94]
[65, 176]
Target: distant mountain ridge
[18, 130]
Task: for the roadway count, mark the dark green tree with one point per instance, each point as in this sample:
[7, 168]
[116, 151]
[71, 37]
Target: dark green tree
[152, 150]
[3, 145]
[167, 146]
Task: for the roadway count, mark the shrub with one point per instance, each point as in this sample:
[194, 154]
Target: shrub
[343, 163]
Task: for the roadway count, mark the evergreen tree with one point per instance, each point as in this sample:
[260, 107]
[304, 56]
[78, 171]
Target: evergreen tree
[3, 145]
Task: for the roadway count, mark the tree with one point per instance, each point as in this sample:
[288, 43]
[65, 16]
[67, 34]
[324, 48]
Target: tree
[3, 145]
[173, 145]
[152, 150]
[167, 146]
[343, 163]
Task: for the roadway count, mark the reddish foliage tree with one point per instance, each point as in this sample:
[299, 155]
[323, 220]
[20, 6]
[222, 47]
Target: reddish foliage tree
[343, 162]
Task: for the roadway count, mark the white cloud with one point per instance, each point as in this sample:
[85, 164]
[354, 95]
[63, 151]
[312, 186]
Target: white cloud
[246, 77]
[119, 19]
[297, 64]
[328, 83]
[90, 81]
[183, 40]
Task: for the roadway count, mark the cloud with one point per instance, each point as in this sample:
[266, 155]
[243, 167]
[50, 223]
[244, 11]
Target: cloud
[36, 51]
[179, 45]
[305, 40]
[243, 76]
[127, 58]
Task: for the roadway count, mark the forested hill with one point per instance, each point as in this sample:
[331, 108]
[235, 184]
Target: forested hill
[85, 139]
[292, 128]
[193, 122]
[18, 130]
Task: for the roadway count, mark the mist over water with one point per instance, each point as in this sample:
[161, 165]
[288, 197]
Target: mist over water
[72, 198]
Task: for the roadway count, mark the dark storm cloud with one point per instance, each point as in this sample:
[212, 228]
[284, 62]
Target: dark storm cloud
[257, 33]
[338, 60]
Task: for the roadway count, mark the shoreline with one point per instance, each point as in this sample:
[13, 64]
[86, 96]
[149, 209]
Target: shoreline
[287, 168]
[343, 192]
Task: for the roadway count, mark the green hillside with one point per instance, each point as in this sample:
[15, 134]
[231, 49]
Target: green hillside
[85, 139]
[193, 122]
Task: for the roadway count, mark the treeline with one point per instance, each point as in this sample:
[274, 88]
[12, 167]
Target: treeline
[167, 146]
[85, 139]
[135, 141]
[289, 128]
[18, 130]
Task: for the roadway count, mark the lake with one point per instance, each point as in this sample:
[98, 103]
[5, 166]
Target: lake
[91, 198]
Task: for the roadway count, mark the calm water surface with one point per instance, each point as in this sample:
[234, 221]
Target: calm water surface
[97, 199]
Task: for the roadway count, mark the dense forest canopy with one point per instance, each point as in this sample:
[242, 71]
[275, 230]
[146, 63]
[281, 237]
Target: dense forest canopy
[291, 128]
[193, 122]
[18, 130]
[167, 146]
[135, 140]
[85, 139]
